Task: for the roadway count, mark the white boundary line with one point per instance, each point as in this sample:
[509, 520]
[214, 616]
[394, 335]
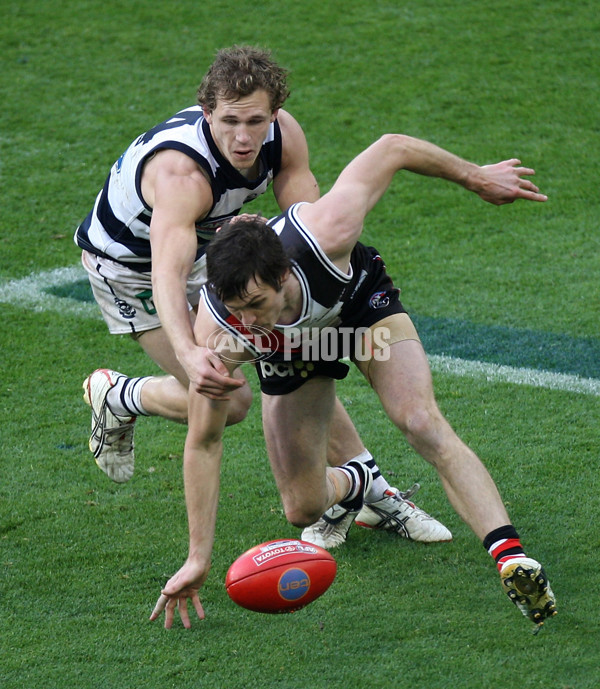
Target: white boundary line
[497, 373]
[29, 293]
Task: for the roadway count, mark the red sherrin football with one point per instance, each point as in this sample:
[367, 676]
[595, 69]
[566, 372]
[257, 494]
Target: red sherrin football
[280, 576]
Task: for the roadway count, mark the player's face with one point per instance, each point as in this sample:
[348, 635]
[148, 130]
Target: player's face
[239, 127]
[261, 306]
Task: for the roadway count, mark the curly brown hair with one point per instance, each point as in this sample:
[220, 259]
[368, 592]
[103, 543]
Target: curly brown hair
[239, 71]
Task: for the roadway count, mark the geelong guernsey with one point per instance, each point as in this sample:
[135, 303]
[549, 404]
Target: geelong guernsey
[118, 227]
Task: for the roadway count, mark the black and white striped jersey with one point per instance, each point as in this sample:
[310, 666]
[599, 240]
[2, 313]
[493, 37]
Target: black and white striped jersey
[118, 227]
[325, 291]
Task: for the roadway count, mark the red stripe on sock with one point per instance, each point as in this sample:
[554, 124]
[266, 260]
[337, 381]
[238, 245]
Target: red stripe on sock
[507, 545]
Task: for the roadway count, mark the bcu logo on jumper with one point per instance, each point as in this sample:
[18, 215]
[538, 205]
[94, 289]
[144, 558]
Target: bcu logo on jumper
[293, 584]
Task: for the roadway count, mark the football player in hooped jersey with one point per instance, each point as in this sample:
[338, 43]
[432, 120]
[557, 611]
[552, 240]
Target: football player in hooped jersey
[143, 248]
[304, 271]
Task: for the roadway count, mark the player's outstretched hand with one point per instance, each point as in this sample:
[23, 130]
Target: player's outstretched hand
[182, 586]
[505, 183]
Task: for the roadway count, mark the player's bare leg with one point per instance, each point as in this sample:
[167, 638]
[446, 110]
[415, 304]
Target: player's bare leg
[385, 508]
[296, 429]
[117, 401]
[403, 383]
[344, 442]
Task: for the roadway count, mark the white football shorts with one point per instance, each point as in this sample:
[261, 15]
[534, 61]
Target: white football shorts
[125, 296]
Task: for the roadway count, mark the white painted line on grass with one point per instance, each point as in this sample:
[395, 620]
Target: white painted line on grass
[497, 373]
[29, 293]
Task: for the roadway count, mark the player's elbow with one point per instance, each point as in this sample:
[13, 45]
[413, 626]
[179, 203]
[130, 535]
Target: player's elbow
[396, 147]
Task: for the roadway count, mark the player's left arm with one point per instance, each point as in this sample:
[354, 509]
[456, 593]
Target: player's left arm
[337, 218]
[368, 176]
[295, 181]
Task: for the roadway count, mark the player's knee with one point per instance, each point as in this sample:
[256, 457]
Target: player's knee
[238, 409]
[422, 425]
[302, 519]
[412, 421]
[236, 415]
[301, 515]
[429, 434]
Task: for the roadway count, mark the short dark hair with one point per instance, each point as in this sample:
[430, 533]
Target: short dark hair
[239, 71]
[241, 250]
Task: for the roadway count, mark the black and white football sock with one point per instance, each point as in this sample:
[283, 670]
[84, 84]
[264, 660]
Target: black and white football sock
[360, 478]
[125, 397]
[380, 483]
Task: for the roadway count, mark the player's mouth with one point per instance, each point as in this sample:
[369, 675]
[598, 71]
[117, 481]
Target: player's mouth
[244, 154]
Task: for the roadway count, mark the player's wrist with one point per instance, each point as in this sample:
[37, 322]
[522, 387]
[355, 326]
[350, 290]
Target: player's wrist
[185, 350]
[198, 558]
[471, 178]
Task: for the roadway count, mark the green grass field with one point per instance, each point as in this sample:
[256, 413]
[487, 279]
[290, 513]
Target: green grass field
[507, 301]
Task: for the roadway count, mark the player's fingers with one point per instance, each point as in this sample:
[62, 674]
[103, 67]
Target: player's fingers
[220, 374]
[533, 196]
[198, 606]
[524, 171]
[183, 613]
[530, 192]
[226, 382]
[159, 607]
[169, 614]
[527, 184]
[218, 366]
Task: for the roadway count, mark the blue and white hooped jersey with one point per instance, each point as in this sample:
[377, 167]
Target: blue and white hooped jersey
[325, 291]
[118, 227]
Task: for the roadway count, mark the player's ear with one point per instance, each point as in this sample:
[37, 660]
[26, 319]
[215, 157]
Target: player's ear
[207, 114]
[273, 115]
[285, 277]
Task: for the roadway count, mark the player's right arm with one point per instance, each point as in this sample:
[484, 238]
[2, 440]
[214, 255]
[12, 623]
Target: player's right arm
[179, 194]
[201, 471]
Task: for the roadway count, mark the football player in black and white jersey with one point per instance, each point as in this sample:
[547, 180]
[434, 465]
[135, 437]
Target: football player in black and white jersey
[272, 284]
[143, 248]
[144, 240]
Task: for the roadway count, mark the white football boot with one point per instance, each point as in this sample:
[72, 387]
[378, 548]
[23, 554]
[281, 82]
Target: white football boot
[111, 440]
[394, 512]
[331, 529]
